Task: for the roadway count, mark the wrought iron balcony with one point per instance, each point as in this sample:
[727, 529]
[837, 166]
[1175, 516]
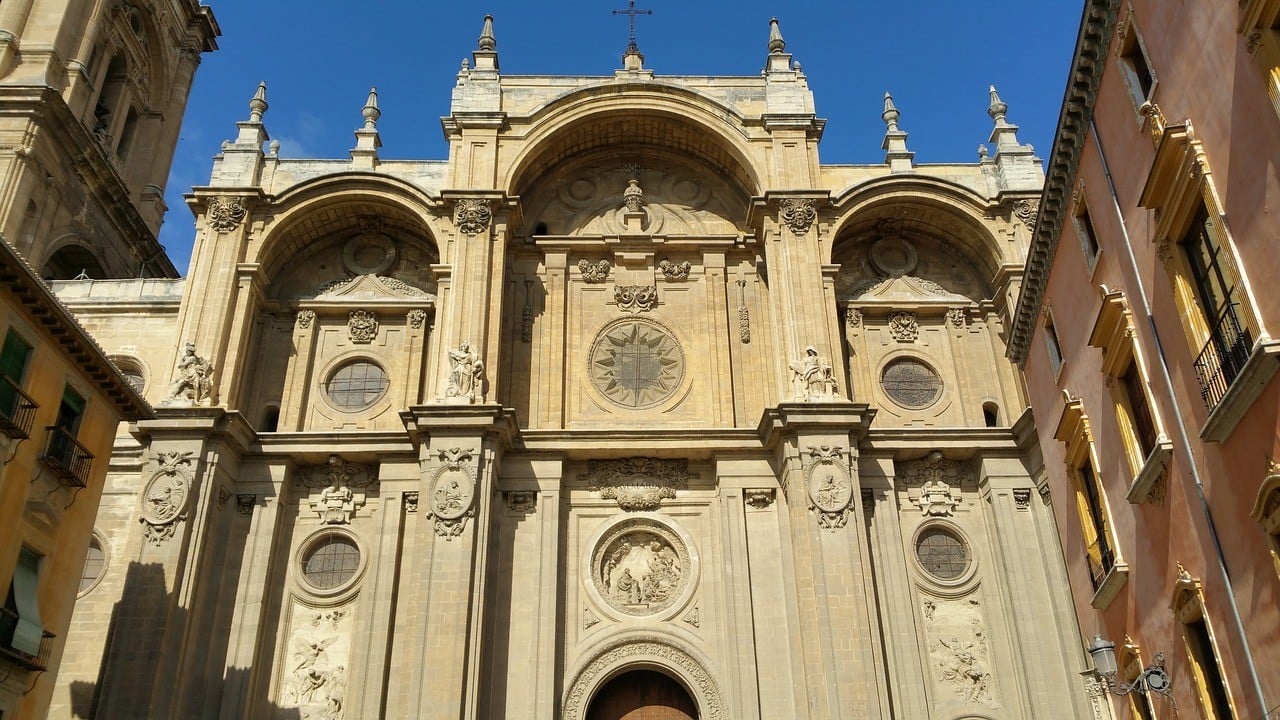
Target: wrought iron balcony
[1223, 356]
[16, 410]
[66, 458]
[8, 626]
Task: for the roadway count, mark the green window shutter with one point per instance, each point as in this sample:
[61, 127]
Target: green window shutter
[13, 357]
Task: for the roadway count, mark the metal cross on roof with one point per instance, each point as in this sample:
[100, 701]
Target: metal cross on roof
[632, 12]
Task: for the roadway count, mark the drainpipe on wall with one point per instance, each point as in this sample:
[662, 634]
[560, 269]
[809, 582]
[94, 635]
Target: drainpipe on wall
[1194, 473]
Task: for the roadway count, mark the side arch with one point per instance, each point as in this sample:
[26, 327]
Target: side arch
[637, 651]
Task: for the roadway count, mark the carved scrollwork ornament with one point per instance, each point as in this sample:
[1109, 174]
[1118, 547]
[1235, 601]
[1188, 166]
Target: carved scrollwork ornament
[674, 271]
[798, 214]
[903, 327]
[1028, 211]
[362, 326]
[852, 317]
[829, 485]
[957, 317]
[637, 483]
[635, 298]
[594, 272]
[416, 317]
[472, 216]
[226, 213]
[164, 498]
[305, 318]
[453, 490]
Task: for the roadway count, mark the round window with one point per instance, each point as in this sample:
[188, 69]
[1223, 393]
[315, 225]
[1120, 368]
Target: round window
[356, 385]
[132, 373]
[331, 562]
[95, 563]
[942, 554]
[911, 384]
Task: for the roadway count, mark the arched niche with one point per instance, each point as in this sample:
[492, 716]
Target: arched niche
[73, 260]
[642, 692]
[656, 652]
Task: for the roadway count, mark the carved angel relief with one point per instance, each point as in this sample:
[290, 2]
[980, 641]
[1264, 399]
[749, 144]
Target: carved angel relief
[829, 485]
[637, 483]
[958, 650]
[315, 681]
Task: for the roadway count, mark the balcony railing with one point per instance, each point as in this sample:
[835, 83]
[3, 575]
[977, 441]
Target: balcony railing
[1223, 357]
[16, 410]
[1101, 560]
[9, 625]
[66, 458]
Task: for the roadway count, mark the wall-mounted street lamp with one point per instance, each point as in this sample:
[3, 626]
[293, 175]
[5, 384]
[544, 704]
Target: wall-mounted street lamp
[1152, 679]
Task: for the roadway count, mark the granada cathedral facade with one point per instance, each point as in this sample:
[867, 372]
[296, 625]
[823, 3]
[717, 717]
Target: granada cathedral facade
[630, 402]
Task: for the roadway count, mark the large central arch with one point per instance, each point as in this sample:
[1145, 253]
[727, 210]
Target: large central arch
[644, 651]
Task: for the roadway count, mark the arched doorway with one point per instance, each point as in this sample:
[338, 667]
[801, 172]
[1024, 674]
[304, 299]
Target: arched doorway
[642, 695]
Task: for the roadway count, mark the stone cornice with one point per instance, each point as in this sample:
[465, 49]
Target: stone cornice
[1087, 66]
[24, 285]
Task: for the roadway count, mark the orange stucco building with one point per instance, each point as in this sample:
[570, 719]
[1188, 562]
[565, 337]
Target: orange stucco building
[1146, 328]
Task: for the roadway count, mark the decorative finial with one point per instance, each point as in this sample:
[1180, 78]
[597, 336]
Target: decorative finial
[370, 112]
[631, 12]
[273, 148]
[487, 40]
[890, 114]
[776, 43]
[982, 152]
[258, 105]
[998, 108]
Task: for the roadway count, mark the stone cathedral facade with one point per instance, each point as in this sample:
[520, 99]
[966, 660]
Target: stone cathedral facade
[630, 397]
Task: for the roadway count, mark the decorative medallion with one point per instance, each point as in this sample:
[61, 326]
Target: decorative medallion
[164, 499]
[369, 253]
[673, 271]
[829, 484]
[893, 256]
[472, 216]
[910, 383]
[362, 326]
[798, 214]
[635, 298]
[903, 327]
[640, 567]
[1028, 211]
[226, 213]
[594, 272]
[636, 364]
[637, 483]
[453, 492]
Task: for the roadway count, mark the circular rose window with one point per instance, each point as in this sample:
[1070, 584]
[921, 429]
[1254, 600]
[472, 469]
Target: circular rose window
[330, 561]
[941, 553]
[356, 385]
[636, 364]
[911, 384]
[640, 568]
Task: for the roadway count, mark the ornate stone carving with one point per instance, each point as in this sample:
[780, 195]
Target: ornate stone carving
[813, 378]
[594, 272]
[362, 326]
[416, 318]
[958, 652]
[640, 568]
[829, 485]
[636, 364]
[654, 650]
[637, 483]
[316, 682]
[336, 470]
[931, 468]
[164, 498]
[758, 499]
[465, 375]
[673, 271]
[472, 216]
[798, 214]
[1022, 498]
[411, 502]
[633, 196]
[305, 318]
[937, 499]
[957, 317]
[521, 501]
[589, 619]
[526, 314]
[744, 314]
[1028, 211]
[852, 317]
[1164, 252]
[635, 298]
[336, 504]
[694, 617]
[903, 327]
[453, 492]
[223, 496]
[245, 503]
[226, 213]
[1253, 43]
[194, 382]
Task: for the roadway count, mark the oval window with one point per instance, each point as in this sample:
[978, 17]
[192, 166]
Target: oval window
[356, 385]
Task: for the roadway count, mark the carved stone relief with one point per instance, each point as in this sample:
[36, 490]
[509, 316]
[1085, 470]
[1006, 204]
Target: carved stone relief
[336, 470]
[635, 298]
[245, 503]
[654, 650]
[758, 499]
[798, 214]
[594, 272]
[812, 378]
[829, 485]
[465, 375]
[674, 271]
[936, 499]
[903, 327]
[453, 492]
[411, 502]
[305, 318]
[337, 503]
[526, 314]
[640, 568]
[315, 676]
[416, 318]
[362, 326]
[164, 498]
[1028, 211]
[193, 384]
[957, 317]
[226, 213]
[637, 483]
[636, 364]
[472, 216]
[959, 652]
[521, 501]
[852, 317]
[744, 314]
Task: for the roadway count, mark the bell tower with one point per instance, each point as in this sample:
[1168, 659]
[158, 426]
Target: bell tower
[92, 94]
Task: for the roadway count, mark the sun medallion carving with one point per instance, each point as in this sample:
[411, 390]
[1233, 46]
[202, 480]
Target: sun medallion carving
[636, 364]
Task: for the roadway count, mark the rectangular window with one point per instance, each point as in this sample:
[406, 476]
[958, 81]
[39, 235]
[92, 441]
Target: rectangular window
[21, 629]
[1053, 346]
[1093, 522]
[13, 367]
[1138, 75]
[70, 411]
[1213, 689]
[1088, 236]
[1230, 341]
[1144, 428]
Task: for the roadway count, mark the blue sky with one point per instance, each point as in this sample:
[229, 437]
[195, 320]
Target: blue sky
[937, 57]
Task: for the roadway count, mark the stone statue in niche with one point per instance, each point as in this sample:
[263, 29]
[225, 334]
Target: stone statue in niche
[813, 377]
[194, 382]
[464, 374]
